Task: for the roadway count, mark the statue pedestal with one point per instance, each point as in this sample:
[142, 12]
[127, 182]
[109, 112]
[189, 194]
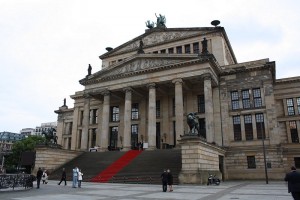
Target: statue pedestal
[199, 159]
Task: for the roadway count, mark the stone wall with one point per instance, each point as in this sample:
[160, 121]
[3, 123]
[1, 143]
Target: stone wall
[199, 159]
[51, 158]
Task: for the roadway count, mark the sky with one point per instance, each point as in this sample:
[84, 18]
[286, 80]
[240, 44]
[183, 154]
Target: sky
[47, 45]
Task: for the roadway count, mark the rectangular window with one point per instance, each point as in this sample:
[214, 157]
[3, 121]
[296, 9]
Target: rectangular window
[290, 106]
[173, 106]
[115, 113]
[260, 125]
[251, 162]
[163, 51]
[235, 100]
[248, 127]
[237, 133]
[196, 47]
[171, 50]
[294, 132]
[158, 108]
[135, 111]
[155, 52]
[81, 117]
[201, 103]
[179, 49]
[298, 105]
[93, 116]
[246, 99]
[187, 48]
[257, 98]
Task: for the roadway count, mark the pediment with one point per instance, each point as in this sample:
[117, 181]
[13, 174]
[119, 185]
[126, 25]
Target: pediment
[156, 37]
[140, 64]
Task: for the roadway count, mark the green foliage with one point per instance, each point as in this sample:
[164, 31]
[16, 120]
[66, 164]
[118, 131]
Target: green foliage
[27, 144]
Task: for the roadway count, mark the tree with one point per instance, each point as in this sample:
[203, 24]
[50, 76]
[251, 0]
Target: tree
[28, 144]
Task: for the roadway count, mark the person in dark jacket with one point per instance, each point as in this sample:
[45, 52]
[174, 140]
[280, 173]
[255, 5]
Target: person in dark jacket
[164, 179]
[39, 177]
[170, 180]
[63, 177]
[293, 179]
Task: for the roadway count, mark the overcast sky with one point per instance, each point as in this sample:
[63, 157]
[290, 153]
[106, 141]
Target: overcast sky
[46, 45]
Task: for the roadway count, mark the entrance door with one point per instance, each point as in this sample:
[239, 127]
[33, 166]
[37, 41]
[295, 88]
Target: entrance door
[134, 136]
[113, 139]
[158, 137]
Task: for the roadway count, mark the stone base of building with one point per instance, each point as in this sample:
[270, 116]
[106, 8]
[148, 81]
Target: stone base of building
[52, 158]
[197, 177]
[199, 160]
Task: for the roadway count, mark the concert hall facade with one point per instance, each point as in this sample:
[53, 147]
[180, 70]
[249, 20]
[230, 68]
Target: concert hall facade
[148, 85]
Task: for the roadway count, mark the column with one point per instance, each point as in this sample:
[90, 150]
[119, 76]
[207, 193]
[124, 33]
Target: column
[90, 138]
[127, 119]
[209, 110]
[85, 123]
[75, 131]
[178, 109]
[152, 117]
[105, 121]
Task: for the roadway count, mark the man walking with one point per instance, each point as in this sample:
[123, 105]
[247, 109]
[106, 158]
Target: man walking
[293, 179]
[39, 177]
[63, 177]
[164, 179]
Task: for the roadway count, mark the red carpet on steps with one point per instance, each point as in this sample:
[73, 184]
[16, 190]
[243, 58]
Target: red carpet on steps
[115, 167]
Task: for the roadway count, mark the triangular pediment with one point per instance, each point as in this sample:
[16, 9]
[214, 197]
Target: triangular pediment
[139, 64]
[157, 37]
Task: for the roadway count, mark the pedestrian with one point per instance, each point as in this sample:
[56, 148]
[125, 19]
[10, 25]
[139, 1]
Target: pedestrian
[45, 177]
[293, 179]
[164, 179]
[63, 177]
[75, 177]
[79, 178]
[170, 180]
[38, 177]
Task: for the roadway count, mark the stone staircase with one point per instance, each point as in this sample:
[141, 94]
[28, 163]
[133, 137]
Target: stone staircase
[145, 168]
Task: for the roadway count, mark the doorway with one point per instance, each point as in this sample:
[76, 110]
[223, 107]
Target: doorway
[113, 138]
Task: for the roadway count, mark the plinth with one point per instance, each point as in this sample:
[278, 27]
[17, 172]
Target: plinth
[199, 160]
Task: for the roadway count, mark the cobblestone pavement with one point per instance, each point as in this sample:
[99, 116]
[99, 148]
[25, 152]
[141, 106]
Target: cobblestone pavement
[231, 190]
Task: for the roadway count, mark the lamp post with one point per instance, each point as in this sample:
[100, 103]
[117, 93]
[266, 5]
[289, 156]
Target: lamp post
[264, 149]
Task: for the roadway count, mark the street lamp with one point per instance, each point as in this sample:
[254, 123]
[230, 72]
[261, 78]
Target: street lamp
[264, 152]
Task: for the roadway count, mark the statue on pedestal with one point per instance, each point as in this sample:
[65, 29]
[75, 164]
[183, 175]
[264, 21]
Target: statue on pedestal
[193, 122]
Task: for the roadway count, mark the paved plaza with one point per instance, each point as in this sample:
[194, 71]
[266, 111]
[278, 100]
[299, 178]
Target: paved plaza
[231, 190]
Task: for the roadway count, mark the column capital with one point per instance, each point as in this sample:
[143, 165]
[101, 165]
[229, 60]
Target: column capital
[207, 76]
[151, 86]
[177, 81]
[105, 93]
[87, 96]
[127, 89]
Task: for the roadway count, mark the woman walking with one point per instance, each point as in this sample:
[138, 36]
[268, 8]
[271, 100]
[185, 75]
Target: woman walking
[170, 180]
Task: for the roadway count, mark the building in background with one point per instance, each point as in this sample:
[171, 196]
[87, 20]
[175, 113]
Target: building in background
[7, 139]
[27, 131]
[148, 85]
[44, 127]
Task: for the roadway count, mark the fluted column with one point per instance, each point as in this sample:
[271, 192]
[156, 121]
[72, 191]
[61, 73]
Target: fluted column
[152, 116]
[209, 110]
[75, 132]
[178, 109]
[85, 123]
[127, 119]
[105, 121]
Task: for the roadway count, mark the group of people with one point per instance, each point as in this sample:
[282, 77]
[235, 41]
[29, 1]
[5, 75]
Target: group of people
[167, 179]
[77, 177]
[41, 175]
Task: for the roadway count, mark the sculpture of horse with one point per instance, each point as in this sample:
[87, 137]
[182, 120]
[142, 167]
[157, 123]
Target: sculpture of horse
[193, 122]
[50, 136]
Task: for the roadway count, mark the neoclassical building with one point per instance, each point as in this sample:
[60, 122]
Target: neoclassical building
[148, 85]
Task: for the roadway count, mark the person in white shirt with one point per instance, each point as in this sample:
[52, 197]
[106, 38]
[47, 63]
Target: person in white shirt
[80, 174]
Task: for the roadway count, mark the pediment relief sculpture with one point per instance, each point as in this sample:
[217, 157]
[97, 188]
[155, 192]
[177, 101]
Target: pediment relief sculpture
[156, 38]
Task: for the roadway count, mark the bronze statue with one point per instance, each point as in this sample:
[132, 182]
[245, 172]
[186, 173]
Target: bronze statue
[193, 122]
[149, 24]
[160, 21]
[89, 70]
[204, 46]
[50, 136]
